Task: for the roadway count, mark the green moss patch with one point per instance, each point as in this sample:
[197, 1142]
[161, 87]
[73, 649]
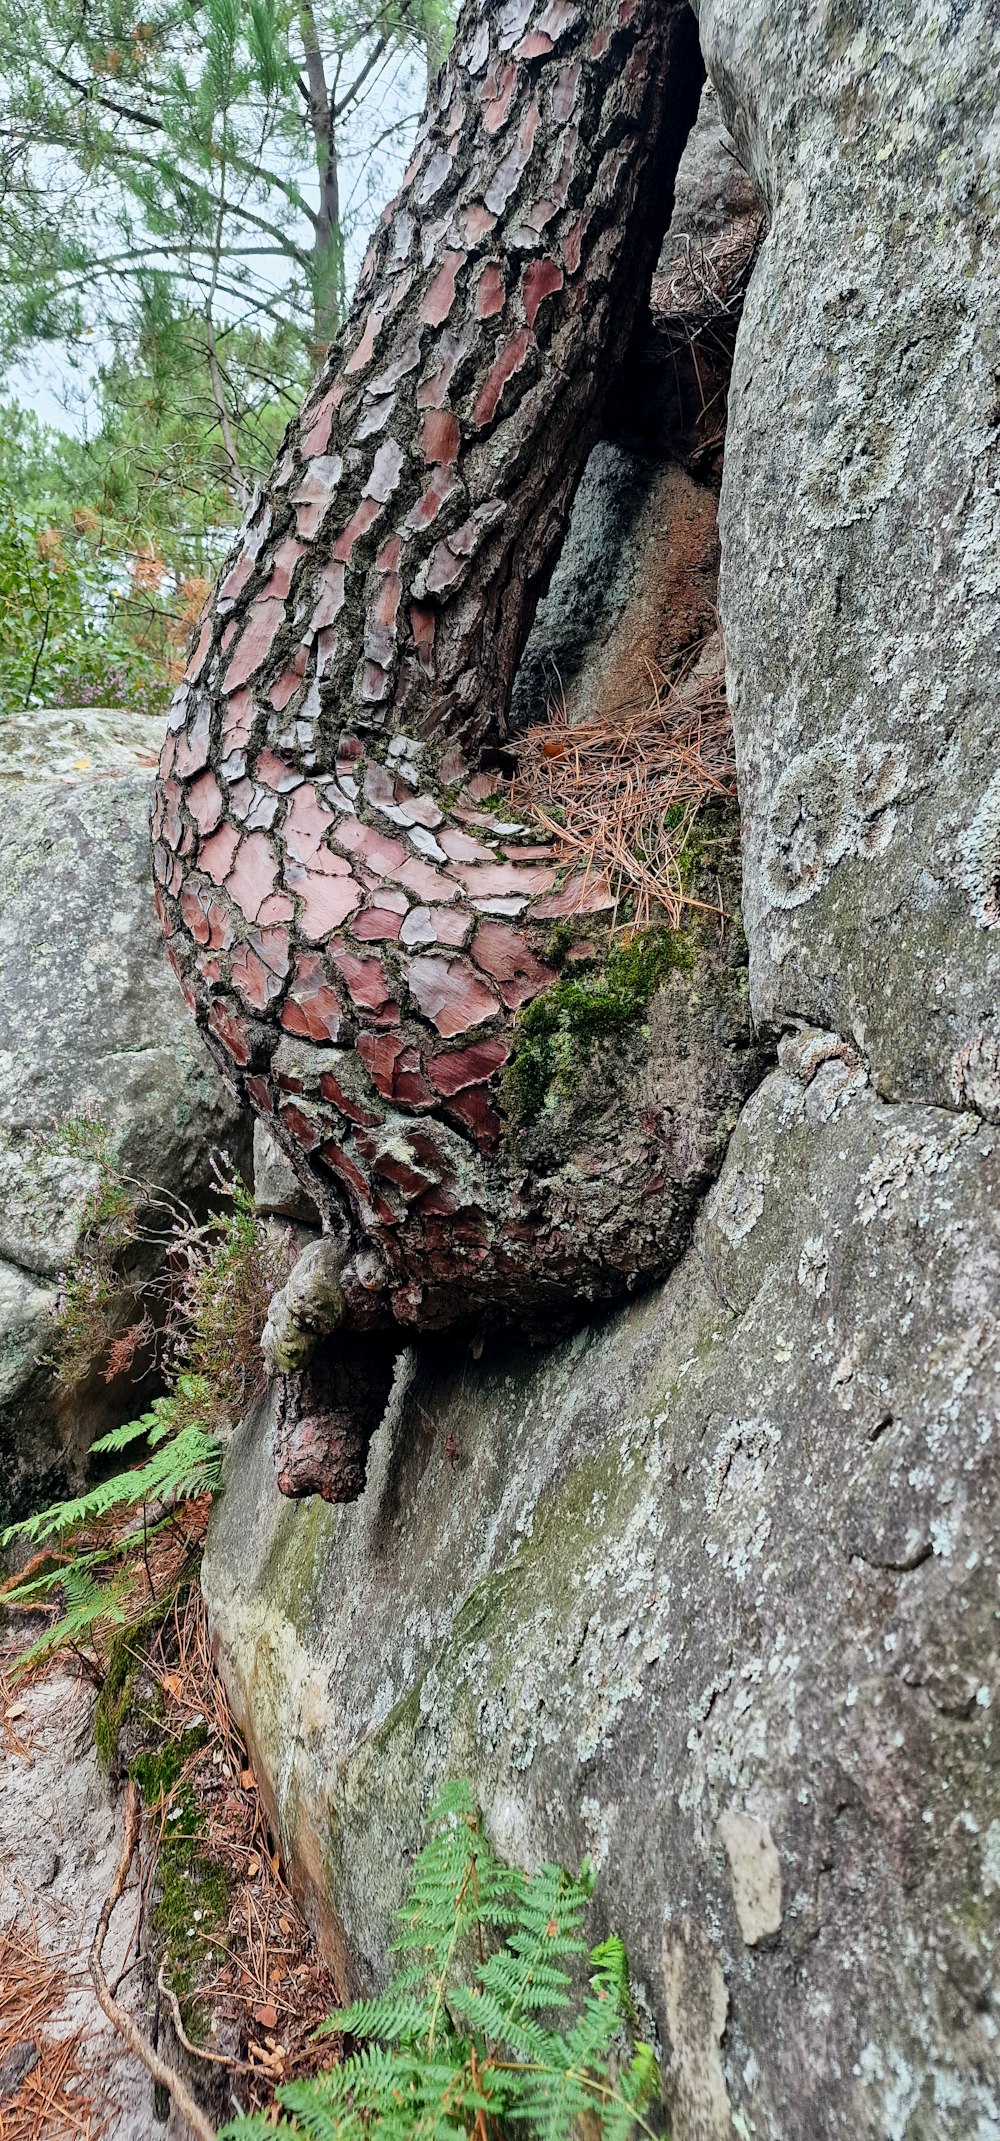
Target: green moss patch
[120, 1695]
[192, 1908]
[556, 1032]
[116, 1697]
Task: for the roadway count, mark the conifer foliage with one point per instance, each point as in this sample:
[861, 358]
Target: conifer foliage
[482, 2031]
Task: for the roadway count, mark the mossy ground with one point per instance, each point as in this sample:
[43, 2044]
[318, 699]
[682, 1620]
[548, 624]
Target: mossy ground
[133, 1737]
[192, 1907]
[128, 1705]
[116, 1698]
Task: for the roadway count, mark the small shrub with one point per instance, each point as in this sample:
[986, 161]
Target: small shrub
[230, 1269]
[480, 2032]
[94, 1561]
[219, 1275]
[65, 640]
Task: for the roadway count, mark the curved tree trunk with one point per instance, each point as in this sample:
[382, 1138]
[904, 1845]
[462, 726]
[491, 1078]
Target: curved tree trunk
[354, 931]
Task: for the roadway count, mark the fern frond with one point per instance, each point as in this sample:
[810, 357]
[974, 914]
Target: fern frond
[641, 2083]
[119, 1438]
[456, 1801]
[190, 1396]
[37, 1588]
[463, 2044]
[189, 1464]
[611, 1968]
[70, 1515]
[390, 2016]
[253, 2127]
[88, 1605]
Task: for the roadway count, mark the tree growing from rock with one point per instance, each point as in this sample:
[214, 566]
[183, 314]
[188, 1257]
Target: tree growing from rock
[366, 933]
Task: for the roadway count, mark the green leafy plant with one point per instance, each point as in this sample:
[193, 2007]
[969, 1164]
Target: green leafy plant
[97, 1580]
[482, 2031]
[63, 639]
[96, 1550]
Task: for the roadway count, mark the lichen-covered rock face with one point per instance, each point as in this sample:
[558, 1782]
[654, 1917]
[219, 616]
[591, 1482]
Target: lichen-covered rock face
[92, 1029]
[860, 512]
[708, 1594]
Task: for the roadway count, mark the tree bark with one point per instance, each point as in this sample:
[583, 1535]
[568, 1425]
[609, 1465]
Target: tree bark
[355, 933]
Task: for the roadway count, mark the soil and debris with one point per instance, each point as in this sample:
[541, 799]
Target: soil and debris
[207, 1950]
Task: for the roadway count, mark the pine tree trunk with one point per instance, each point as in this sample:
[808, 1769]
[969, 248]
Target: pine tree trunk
[356, 934]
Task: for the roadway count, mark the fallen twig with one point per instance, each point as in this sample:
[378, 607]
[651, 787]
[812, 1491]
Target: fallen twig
[126, 2027]
[198, 2051]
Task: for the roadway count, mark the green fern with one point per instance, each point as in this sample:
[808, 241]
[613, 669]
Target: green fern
[466, 2040]
[87, 1606]
[99, 1577]
[184, 1460]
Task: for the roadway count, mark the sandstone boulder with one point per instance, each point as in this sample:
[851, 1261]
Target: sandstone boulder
[93, 1029]
[709, 1595]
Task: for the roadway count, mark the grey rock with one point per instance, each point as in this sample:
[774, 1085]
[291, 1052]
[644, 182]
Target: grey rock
[712, 190]
[718, 1573]
[92, 1028]
[861, 576]
[277, 1191]
[638, 519]
[590, 586]
[26, 1313]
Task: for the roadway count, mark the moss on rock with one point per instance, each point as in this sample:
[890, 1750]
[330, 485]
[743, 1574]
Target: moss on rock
[556, 1032]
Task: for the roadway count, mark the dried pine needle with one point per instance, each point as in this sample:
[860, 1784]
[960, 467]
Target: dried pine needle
[620, 794]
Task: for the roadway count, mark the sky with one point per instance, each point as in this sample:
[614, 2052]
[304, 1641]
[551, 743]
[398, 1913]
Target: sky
[58, 380]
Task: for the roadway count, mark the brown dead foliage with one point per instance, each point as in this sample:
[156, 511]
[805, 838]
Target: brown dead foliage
[263, 1988]
[44, 2092]
[620, 794]
[15, 1733]
[696, 310]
